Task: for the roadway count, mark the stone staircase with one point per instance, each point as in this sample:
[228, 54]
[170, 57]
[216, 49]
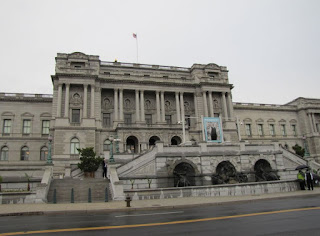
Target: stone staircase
[80, 189]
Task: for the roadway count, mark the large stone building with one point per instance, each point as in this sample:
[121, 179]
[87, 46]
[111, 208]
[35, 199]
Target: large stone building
[136, 105]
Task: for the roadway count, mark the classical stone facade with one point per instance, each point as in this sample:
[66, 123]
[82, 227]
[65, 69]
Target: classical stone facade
[138, 105]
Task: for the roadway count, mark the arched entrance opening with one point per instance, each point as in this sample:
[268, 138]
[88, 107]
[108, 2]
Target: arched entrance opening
[175, 140]
[184, 175]
[226, 173]
[132, 144]
[263, 171]
[153, 140]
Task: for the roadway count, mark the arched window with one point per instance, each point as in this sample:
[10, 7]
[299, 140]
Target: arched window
[74, 145]
[43, 153]
[24, 155]
[4, 156]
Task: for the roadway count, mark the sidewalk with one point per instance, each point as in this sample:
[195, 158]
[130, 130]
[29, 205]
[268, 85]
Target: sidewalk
[69, 208]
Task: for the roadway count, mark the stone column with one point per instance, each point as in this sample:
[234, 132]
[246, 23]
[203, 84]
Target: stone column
[158, 106]
[66, 106]
[311, 123]
[224, 106]
[196, 108]
[205, 104]
[163, 112]
[178, 107]
[121, 104]
[142, 105]
[230, 105]
[59, 100]
[210, 105]
[116, 103]
[314, 123]
[137, 106]
[182, 107]
[85, 101]
[92, 102]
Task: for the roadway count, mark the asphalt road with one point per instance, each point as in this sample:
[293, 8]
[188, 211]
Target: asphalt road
[290, 216]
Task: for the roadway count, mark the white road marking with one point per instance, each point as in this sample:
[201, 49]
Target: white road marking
[151, 214]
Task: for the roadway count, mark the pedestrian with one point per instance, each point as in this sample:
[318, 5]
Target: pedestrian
[104, 165]
[301, 180]
[309, 179]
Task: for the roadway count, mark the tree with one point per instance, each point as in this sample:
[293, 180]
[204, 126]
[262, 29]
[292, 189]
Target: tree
[299, 150]
[89, 162]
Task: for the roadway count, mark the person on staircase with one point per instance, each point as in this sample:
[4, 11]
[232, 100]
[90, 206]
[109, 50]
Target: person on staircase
[104, 165]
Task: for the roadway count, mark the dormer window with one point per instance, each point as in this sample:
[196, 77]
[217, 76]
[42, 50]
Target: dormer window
[77, 65]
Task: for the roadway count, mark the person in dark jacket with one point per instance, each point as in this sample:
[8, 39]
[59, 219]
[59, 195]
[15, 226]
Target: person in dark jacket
[309, 179]
[104, 165]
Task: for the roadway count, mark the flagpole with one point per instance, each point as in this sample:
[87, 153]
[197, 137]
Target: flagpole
[137, 49]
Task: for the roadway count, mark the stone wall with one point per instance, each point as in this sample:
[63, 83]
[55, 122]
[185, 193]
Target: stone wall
[215, 190]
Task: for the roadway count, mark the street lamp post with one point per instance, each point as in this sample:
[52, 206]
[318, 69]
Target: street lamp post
[306, 151]
[111, 159]
[49, 159]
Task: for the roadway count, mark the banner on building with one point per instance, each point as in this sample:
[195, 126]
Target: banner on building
[212, 129]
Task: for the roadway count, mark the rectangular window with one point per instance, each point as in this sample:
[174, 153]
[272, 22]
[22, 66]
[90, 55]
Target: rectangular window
[106, 120]
[283, 130]
[75, 116]
[248, 129]
[127, 119]
[271, 127]
[260, 129]
[168, 119]
[148, 118]
[6, 127]
[45, 126]
[26, 127]
[294, 130]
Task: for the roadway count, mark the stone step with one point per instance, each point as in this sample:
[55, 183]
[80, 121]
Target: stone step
[80, 189]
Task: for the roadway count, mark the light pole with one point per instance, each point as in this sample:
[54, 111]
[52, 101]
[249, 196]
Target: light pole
[111, 159]
[117, 140]
[306, 151]
[183, 130]
[49, 159]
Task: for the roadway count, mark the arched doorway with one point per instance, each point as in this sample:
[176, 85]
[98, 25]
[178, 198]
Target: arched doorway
[132, 144]
[175, 140]
[153, 140]
[226, 171]
[263, 171]
[184, 175]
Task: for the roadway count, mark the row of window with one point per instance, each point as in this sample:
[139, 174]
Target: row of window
[26, 127]
[106, 119]
[272, 131]
[24, 153]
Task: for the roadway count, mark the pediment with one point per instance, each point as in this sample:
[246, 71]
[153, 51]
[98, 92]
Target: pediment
[212, 66]
[78, 55]
[259, 120]
[46, 114]
[7, 113]
[27, 114]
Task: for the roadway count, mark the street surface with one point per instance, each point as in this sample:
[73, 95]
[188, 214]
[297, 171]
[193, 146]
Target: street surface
[290, 216]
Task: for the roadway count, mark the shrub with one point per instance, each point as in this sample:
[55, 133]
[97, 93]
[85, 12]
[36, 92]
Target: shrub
[89, 162]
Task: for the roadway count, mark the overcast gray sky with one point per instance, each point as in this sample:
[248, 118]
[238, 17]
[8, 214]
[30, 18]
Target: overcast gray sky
[271, 47]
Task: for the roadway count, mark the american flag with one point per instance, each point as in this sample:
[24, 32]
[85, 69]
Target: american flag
[134, 35]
